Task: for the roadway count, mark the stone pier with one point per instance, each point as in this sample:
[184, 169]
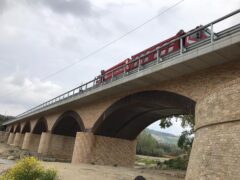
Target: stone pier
[215, 152]
[11, 138]
[31, 142]
[18, 139]
[56, 146]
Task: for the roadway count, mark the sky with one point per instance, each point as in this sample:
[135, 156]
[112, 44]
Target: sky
[175, 129]
[41, 37]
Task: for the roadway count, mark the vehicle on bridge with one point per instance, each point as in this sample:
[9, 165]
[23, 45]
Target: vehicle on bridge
[153, 53]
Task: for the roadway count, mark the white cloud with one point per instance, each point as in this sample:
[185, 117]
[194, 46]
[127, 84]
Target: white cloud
[83, 8]
[17, 93]
[3, 5]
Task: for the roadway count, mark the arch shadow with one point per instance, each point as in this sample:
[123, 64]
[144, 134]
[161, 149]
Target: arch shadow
[26, 128]
[11, 130]
[68, 124]
[127, 117]
[18, 129]
[41, 126]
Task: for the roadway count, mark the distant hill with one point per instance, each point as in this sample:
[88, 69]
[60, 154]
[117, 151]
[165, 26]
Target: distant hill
[163, 138]
[5, 118]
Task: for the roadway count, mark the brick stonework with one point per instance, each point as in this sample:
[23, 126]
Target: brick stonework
[83, 148]
[195, 86]
[57, 146]
[18, 139]
[31, 141]
[220, 106]
[45, 140]
[61, 147]
[215, 153]
[10, 138]
[101, 150]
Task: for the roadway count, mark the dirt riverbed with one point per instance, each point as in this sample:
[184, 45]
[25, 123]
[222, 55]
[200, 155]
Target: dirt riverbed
[67, 171]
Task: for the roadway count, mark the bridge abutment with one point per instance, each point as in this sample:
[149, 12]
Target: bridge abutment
[90, 148]
[31, 142]
[10, 138]
[18, 139]
[56, 146]
[215, 153]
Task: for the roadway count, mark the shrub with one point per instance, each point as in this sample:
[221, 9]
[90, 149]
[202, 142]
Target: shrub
[29, 168]
[50, 174]
[177, 163]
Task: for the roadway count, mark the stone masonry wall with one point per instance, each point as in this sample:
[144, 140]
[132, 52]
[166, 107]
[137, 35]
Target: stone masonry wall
[84, 145]
[10, 138]
[31, 142]
[215, 153]
[57, 146]
[101, 150]
[221, 105]
[113, 151]
[45, 140]
[18, 139]
[61, 147]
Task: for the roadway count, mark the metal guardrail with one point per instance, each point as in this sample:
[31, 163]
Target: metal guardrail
[78, 91]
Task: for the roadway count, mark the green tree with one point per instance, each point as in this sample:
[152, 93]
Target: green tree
[184, 142]
[3, 119]
[147, 145]
[186, 138]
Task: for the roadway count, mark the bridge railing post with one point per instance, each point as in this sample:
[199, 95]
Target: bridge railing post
[139, 63]
[159, 59]
[112, 77]
[212, 33]
[181, 46]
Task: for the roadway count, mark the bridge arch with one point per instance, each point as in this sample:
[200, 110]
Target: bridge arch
[26, 127]
[11, 129]
[18, 128]
[68, 124]
[127, 117]
[41, 126]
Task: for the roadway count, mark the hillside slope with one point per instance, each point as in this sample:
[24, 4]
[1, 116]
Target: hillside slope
[163, 138]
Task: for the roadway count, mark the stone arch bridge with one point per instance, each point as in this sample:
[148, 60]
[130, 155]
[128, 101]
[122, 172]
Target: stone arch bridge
[101, 124]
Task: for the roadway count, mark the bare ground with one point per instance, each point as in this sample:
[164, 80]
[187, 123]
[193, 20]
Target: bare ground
[67, 171]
